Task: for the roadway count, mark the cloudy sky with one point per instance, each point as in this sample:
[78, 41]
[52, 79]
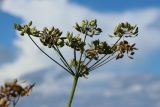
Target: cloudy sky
[123, 83]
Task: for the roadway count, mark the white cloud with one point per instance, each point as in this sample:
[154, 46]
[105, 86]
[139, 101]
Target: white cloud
[63, 15]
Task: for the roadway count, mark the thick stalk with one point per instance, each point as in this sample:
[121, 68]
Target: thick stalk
[72, 91]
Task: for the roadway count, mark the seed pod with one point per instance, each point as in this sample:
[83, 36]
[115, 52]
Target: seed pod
[30, 23]
[77, 27]
[93, 23]
[60, 41]
[18, 27]
[22, 33]
[132, 53]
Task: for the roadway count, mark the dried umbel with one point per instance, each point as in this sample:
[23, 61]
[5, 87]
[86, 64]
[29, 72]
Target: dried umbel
[126, 30]
[97, 48]
[51, 37]
[12, 91]
[124, 47]
[75, 42]
[88, 27]
[87, 56]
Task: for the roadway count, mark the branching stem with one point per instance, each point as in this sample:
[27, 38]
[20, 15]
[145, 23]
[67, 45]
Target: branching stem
[64, 60]
[97, 62]
[49, 56]
[81, 55]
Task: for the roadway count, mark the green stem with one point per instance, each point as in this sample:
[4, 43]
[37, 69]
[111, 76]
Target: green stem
[72, 91]
[49, 56]
[81, 55]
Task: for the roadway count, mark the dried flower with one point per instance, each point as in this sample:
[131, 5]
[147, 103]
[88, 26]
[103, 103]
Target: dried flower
[126, 30]
[82, 62]
[11, 92]
[125, 47]
[51, 37]
[75, 42]
[88, 27]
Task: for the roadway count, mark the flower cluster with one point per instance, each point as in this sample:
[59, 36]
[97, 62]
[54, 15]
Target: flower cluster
[11, 92]
[97, 48]
[88, 27]
[100, 51]
[75, 42]
[51, 37]
[125, 47]
[48, 37]
[26, 29]
[126, 30]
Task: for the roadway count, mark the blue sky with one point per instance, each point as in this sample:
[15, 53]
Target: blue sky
[117, 5]
[8, 33]
[132, 83]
